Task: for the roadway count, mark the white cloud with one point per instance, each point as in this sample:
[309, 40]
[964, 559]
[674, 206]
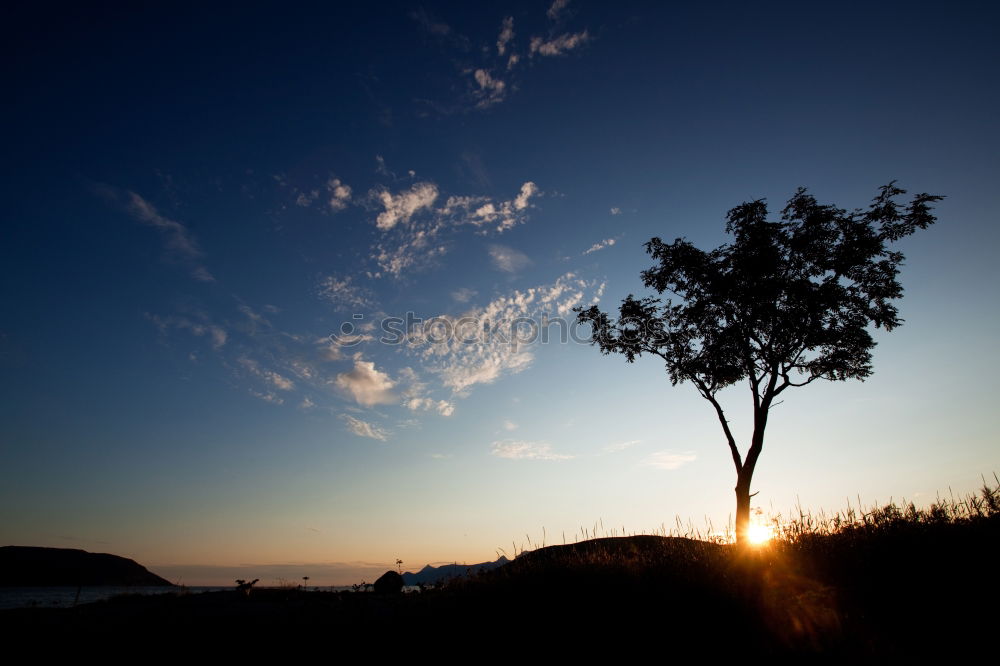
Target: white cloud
[491, 90]
[480, 347]
[557, 45]
[521, 450]
[669, 459]
[508, 259]
[523, 198]
[400, 207]
[415, 396]
[367, 385]
[599, 293]
[555, 8]
[343, 292]
[616, 210]
[275, 379]
[340, 194]
[306, 403]
[418, 242]
[412, 248]
[364, 428]
[482, 211]
[506, 34]
[442, 407]
[180, 244]
[607, 242]
[509, 425]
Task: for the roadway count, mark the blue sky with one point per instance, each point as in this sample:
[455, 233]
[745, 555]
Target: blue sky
[197, 198]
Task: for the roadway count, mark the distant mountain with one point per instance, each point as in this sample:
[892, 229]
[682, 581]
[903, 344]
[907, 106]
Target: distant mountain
[429, 575]
[29, 566]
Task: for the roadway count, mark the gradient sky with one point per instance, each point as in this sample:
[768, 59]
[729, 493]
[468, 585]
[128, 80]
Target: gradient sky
[196, 198]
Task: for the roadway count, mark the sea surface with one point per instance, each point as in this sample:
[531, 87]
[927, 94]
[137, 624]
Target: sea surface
[65, 597]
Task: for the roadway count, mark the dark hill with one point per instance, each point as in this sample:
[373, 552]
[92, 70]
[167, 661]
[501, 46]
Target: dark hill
[430, 575]
[30, 566]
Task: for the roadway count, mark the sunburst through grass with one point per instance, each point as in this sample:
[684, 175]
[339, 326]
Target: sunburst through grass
[759, 534]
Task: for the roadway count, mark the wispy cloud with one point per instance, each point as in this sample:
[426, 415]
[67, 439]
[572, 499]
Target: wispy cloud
[482, 347]
[489, 78]
[558, 45]
[340, 194]
[402, 206]
[615, 210]
[492, 89]
[273, 378]
[267, 396]
[344, 292]
[413, 229]
[556, 8]
[506, 34]
[442, 407]
[463, 295]
[607, 242]
[429, 24]
[364, 428]
[669, 459]
[508, 259]
[416, 398]
[621, 446]
[180, 244]
[215, 333]
[484, 212]
[523, 450]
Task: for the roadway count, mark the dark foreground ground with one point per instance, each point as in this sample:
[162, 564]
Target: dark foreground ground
[905, 589]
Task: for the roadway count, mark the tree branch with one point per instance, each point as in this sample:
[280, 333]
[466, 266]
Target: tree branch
[737, 459]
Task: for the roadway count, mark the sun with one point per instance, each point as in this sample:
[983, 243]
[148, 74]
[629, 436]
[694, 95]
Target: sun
[759, 534]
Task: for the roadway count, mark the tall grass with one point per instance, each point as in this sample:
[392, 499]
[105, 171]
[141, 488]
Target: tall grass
[800, 524]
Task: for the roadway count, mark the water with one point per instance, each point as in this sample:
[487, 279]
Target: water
[65, 597]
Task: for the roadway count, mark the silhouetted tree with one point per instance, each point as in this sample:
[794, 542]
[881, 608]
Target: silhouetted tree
[785, 303]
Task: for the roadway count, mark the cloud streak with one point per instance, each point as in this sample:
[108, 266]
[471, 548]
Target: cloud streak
[181, 245]
[364, 428]
[524, 450]
[607, 242]
[558, 45]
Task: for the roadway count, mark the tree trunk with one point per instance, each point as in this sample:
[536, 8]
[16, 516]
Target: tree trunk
[745, 475]
[743, 507]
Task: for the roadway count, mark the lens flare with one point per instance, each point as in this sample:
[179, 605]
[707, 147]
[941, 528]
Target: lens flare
[759, 534]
